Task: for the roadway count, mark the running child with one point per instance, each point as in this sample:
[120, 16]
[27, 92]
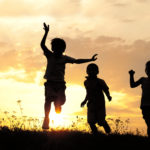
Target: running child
[95, 87]
[54, 75]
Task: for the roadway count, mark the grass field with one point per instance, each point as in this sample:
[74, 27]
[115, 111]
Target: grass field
[18, 139]
[24, 133]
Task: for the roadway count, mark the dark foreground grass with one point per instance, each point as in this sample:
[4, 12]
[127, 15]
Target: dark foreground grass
[67, 140]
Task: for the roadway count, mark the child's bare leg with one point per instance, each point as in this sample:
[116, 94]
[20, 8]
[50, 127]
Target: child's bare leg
[148, 126]
[106, 127]
[47, 107]
[93, 128]
[57, 105]
[146, 117]
[57, 108]
[60, 100]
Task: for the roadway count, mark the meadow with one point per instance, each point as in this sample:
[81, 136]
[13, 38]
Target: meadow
[18, 139]
[25, 133]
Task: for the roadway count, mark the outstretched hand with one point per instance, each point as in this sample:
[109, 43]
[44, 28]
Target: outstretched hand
[131, 72]
[83, 103]
[94, 57]
[109, 98]
[46, 27]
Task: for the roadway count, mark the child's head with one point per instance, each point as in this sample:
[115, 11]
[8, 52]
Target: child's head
[58, 46]
[92, 69]
[147, 68]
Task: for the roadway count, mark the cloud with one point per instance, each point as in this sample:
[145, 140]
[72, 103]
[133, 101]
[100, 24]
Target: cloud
[23, 8]
[120, 4]
[3, 44]
[64, 8]
[128, 20]
[76, 18]
[8, 59]
[115, 111]
[115, 58]
[108, 39]
[8, 8]
[21, 66]
[142, 1]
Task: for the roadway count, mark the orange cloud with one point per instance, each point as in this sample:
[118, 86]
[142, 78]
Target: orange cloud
[17, 8]
[115, 59]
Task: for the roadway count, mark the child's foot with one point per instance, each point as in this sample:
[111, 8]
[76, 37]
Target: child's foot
[107, 128]
[93, 129]
[148, 133]
[45, 123]
[95, 132]
[58, 109]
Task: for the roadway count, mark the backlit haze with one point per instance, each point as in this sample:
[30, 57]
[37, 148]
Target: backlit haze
[118, 31]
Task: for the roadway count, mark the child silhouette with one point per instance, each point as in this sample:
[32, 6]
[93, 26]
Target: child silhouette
[96, 102]
[55, 71]
[145, 99]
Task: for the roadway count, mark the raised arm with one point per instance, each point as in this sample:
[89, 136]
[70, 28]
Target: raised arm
[43, 41]
[80, 61]
[133, 83]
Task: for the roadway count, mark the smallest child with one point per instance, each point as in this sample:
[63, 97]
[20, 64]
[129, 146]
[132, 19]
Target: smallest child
[95, 87]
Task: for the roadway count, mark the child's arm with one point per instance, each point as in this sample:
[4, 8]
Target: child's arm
[80, 61]
[43, 46]
[84, 102]
[108, 95]
[133, 83]
[105, 89]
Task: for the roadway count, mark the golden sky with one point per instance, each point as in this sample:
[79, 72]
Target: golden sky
[118, 31]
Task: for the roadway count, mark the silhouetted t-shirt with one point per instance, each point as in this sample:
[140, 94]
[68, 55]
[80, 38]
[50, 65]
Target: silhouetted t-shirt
[95, 88]
[145, 85]
[55, 70]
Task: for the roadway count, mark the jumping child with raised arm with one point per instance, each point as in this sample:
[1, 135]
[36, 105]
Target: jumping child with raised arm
[95, 87]
[145, 99]
[54, 75]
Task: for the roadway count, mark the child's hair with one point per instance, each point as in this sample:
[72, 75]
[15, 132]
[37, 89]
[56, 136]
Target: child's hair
[58, 44]
[92, 69]
[147, 68]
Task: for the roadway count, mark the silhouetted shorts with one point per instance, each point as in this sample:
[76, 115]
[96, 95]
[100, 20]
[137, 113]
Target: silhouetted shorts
[96, 115]
[55, 92]
[146, 112]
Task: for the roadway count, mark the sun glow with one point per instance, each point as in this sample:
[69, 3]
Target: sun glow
[56, 120]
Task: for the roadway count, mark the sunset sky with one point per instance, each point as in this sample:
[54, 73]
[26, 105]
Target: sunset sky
[118, 31]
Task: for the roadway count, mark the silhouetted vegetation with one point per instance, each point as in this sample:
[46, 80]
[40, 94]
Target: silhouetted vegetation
[25, 133]
[66, 139]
